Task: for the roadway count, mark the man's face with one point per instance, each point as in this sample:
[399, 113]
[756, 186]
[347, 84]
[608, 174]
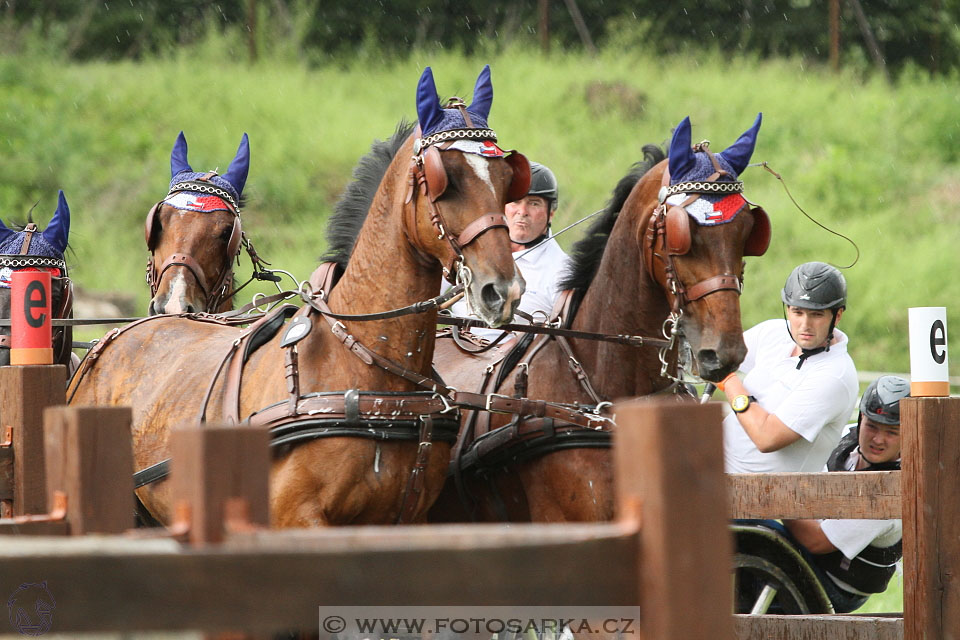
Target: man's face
[879, 442]
[809, 327]
[527, 218]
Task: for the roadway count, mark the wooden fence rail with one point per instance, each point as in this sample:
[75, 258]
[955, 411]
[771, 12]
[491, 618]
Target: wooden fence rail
[923, 494]
[668, 549]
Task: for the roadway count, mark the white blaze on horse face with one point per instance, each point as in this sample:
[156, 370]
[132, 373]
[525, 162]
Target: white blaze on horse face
[178, 293]
[480, 167]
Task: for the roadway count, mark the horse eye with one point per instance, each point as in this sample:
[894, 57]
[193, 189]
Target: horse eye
[226, 233]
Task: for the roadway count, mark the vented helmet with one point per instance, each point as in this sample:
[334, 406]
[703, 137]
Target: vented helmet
[815, 285]
[881, 400]
[544, 184]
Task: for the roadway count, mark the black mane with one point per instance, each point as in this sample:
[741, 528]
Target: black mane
[351, 209]
[586, 253]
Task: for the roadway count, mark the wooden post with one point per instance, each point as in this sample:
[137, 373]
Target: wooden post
[24, 393]
[213, 463]
[835, 35]
[930, 486]
[543, 10]
[89, 457]
[669, 459]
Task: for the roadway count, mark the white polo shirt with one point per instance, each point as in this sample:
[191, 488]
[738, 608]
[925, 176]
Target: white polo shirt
[853, 536]
[541, 268]
[816, 401]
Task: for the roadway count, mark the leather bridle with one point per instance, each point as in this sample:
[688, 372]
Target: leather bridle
[214, 294]
[428, 177]
[668, 235]
[63, 282]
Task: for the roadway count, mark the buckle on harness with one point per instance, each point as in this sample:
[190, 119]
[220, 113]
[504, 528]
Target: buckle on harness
[490, 398]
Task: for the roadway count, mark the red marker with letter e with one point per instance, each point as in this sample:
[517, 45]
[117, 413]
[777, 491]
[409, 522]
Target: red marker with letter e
[30, 336]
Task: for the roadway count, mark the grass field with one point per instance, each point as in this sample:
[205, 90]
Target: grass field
[877, 162]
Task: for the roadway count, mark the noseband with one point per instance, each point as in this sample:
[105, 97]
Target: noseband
[213, 295]
[429, 177]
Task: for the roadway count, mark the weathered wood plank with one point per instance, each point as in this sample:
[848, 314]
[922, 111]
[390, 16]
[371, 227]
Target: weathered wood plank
[24, 393]
[150, 585]
[820, 627]
[213, 463]
[872, 495]
[6, 472]
[16, 527]
[89, 457]
[930, 429]
[667, 462]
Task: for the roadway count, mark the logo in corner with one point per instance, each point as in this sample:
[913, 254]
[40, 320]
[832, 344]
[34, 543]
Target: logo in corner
[30, 608]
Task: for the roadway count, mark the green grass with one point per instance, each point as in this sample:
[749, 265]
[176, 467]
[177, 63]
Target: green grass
[875, 162]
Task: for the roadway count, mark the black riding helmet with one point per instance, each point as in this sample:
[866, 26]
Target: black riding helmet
[544, 184]
[815, 285]
[881, 400]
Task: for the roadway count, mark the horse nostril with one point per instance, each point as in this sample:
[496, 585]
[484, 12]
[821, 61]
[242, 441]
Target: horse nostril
[491, 296]
[708, 359]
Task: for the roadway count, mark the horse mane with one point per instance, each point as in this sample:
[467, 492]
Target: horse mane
[587, 252]
[351, 209]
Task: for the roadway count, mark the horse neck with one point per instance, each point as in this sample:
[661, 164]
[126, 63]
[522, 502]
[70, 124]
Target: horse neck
[385, 272]
[622, 299]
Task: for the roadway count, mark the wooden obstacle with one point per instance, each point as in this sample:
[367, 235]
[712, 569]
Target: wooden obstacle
[923, 494]
[668, 549]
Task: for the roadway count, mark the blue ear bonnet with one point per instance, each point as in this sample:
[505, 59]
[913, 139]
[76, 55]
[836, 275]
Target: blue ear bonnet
[49, 243]
[434, 119]
[219, 181]
[453, 119]
[38, 246]
[703, 169]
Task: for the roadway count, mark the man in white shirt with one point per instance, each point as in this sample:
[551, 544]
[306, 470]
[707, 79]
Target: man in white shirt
[538, 256]
[855, 558]
[800, 384]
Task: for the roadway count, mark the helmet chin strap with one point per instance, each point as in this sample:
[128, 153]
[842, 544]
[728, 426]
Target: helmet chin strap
[526, 245]
[806, 353]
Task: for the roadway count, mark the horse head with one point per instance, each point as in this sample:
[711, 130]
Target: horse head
[700, 231]
[194, 235]
[465, 180]
[29, 249]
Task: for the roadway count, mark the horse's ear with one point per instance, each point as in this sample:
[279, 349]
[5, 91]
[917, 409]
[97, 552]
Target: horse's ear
[178, 157]
[738, 154]
[237, 172]
[5, 233]
[429, 111]
[482, 94]
[58, 231]
[680, 155]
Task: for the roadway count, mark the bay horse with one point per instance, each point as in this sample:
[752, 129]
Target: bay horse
[341, 396]
[194, 235]
[642, 268]
[29, 249]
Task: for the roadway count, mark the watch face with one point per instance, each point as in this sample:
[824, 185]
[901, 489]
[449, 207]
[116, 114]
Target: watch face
[740, 403]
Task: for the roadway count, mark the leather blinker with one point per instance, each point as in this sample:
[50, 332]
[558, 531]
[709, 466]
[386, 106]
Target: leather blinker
[435, 173]
[677, 231]
[759, 239]
[520, 184]
[149, 232]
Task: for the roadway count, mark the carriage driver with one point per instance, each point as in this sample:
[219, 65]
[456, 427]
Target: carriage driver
[539, 258]
[856, 558]
[800, 385]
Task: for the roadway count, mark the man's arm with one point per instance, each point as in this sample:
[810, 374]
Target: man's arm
[810, 535]
[765, 429]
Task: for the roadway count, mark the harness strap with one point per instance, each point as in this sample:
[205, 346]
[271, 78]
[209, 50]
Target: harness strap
[415, 481]
[28, 230]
